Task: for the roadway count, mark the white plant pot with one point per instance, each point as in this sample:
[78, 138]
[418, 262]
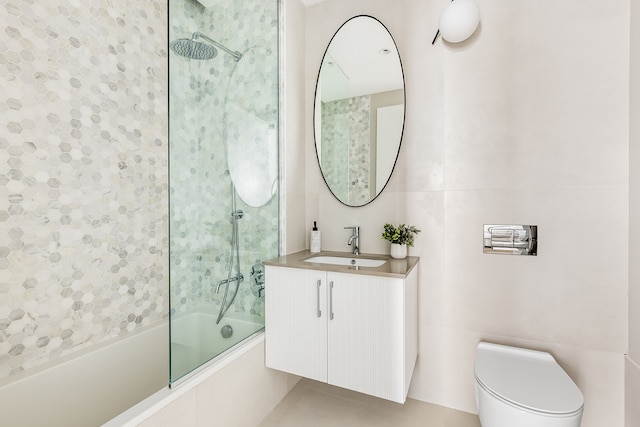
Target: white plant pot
[398, 251]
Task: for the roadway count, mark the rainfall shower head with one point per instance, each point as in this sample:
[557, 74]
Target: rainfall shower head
[194, 49]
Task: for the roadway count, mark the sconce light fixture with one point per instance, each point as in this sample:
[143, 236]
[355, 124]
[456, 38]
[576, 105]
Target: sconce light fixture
[458, 21]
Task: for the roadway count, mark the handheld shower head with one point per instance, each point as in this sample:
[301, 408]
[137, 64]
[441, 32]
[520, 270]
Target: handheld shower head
[194, 49]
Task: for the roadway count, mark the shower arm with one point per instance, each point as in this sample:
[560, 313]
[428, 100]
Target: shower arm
[197, 35]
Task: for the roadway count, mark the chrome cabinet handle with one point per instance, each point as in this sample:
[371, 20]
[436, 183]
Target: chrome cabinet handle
[319, 313]
[331, 300]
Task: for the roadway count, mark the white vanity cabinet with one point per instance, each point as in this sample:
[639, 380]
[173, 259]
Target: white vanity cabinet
[296, 321]
[355, 331]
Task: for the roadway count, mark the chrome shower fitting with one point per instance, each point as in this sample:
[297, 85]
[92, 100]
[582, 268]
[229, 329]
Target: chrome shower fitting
[257, 280]
[194, 49]
[236, 214]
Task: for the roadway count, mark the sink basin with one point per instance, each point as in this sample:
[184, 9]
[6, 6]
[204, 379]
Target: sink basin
[338, 260]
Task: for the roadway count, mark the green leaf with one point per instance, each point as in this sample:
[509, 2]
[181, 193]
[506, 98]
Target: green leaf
[401, 235]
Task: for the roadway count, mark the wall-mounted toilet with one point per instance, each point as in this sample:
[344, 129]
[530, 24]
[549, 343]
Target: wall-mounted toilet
[516, 387]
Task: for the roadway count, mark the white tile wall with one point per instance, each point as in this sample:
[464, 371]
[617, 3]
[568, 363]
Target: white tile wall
[568, 294]
[525, 123]
[632, 393]
[632, 377]
[292, 131]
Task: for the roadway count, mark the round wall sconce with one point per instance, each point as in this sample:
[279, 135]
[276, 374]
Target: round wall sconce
[459, 21]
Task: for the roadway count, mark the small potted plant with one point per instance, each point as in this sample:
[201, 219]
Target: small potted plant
[400, 237]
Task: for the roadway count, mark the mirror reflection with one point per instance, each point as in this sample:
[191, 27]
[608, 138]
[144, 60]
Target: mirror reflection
[359, 110]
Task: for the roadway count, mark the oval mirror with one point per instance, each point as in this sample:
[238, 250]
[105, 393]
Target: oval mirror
[359, 110]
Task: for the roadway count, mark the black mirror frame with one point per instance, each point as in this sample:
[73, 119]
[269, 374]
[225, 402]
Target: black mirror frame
[404, 115]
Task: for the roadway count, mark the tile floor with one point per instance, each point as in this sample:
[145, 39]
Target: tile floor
[312, 404]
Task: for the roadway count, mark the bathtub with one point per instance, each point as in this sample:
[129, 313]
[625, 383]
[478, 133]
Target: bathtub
[220, 389]
[195, 339]
[90, 386]
[95, 385]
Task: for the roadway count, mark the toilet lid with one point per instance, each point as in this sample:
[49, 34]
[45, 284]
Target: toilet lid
[527, 378]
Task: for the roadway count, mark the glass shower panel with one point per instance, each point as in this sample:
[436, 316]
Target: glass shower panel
[223, 173]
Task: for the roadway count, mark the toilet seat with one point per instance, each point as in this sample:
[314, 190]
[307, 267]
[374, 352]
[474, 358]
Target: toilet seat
[530, 380]
[524, 408]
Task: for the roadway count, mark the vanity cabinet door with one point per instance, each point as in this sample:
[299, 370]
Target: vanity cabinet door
[366, 350]
[296, 321]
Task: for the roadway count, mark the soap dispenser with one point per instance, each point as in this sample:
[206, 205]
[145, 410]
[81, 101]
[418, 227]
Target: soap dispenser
[315, 245]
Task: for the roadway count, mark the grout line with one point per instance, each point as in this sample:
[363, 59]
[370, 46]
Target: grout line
[633, 362]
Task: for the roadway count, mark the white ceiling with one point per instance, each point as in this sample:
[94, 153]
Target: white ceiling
[355, 50]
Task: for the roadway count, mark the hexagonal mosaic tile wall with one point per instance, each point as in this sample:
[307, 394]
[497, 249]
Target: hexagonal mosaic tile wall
[83, 174]
[84, 168]
[346, 170]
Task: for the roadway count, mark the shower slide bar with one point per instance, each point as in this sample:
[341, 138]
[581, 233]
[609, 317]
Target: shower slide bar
[236, 215]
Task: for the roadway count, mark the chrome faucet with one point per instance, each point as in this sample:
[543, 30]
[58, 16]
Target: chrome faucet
[354, 239]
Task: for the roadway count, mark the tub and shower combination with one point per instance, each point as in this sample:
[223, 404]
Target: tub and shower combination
[223, 185]
[223, 221]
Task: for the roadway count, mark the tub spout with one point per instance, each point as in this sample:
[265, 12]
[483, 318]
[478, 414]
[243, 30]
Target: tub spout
[238, 278]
